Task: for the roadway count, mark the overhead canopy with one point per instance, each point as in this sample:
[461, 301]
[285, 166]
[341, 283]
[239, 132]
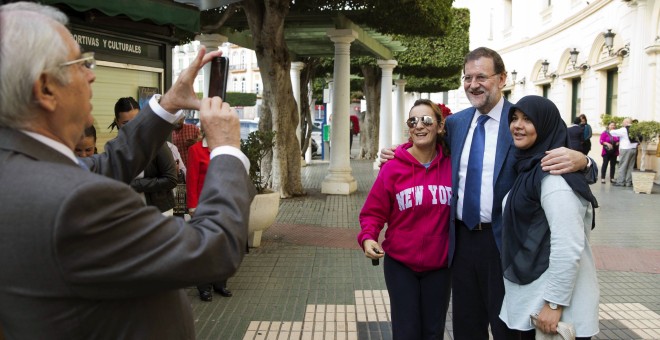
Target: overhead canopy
[161, 12]
[207, 4]
[306, 35]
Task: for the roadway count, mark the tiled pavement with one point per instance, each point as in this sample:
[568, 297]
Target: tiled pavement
[308, 280]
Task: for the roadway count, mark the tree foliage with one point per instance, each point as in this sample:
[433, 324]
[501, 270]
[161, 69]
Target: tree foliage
[436, 57]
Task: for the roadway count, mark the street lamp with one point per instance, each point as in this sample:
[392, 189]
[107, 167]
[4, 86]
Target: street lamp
[609, 40]
[573, 58]
[544, 67]
[514, 74]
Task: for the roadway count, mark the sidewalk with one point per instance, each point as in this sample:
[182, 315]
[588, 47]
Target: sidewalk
[310, 280]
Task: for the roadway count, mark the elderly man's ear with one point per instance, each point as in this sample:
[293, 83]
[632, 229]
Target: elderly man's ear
[43, 92]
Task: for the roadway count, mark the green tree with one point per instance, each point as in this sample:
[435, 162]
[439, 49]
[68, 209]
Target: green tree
[266, 21]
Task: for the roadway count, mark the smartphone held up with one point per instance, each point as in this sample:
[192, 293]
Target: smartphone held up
[218, 78]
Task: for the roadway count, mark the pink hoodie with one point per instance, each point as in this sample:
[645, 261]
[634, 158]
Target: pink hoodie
[414, 202]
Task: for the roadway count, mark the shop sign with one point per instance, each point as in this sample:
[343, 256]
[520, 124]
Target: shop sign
[113, 45]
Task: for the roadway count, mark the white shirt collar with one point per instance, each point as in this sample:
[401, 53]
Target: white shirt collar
[495, 113]
[61, 148]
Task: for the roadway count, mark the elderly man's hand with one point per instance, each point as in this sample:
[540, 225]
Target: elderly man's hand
[182, 94]
[220, 123]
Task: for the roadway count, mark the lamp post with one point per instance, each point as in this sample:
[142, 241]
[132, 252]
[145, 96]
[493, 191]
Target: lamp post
[573, 58]
[544, 67]
[609, 40]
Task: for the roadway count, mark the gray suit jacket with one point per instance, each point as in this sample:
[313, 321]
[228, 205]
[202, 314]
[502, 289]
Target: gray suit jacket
[458, 126]
[81, 256]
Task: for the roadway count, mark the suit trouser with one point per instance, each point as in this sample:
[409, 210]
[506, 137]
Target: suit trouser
[477, 286]
[418, 300]
[626, 164]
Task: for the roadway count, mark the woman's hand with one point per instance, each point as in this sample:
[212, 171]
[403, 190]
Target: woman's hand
[548, 319]
[372, 249]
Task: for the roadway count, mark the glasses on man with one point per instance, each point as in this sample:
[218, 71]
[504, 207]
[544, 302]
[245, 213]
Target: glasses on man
[87, 59]
[481, 78]
[426, 120]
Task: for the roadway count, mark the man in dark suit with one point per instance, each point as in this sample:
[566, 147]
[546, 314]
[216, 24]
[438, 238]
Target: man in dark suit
[474, 250]
[575, 135]
[81, 256]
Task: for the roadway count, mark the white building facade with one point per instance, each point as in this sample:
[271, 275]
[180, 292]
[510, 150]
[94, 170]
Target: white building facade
[558, 49]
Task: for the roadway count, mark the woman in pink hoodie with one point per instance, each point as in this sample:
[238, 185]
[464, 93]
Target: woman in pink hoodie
[412, 195]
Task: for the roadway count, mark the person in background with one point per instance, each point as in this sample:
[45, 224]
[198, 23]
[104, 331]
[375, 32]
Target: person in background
[180, 166]
[82, 256]
[355, 129]
[627, 154]
[547, 260]
[160, 176]
[610, 152]
[478, 185]
[586, 138]
[416, 211]
[87, 144]
[184, 136]
[576, 135]
[198, 163]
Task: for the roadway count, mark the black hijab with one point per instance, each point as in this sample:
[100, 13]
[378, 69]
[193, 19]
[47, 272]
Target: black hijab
[526, 232]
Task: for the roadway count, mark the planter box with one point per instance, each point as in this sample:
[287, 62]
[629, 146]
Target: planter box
[643, 181]
[263, 211]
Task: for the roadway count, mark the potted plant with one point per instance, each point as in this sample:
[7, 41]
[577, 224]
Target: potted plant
[264, 207]
[646, 132]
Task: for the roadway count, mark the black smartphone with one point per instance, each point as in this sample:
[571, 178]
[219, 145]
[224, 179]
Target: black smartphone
[218, 78]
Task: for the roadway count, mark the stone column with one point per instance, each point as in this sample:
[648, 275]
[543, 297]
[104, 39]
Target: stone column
[638, 41]
[212, 42]
[339, 180]
[399, 128]
[296, 66]
[385, 127]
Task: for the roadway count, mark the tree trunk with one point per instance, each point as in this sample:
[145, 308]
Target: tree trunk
[369, 129]
[306, 75]
[279, 109]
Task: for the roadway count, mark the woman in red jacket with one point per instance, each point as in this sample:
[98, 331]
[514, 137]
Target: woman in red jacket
[199, 157]
[412, 195]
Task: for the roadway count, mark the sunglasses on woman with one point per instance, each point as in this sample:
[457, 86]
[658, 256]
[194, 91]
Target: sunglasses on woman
[426, 120]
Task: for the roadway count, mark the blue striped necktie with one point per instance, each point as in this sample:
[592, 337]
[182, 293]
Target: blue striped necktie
[472, 193]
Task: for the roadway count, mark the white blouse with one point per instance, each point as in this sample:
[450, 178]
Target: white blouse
[570, 279]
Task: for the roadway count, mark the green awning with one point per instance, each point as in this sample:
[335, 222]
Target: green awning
[161, 12]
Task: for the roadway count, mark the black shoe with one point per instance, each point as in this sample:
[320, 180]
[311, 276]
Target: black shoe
[223, 291]
[206, 295]
[618, 184]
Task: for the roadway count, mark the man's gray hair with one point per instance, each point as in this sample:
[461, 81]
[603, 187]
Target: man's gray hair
[30, 46]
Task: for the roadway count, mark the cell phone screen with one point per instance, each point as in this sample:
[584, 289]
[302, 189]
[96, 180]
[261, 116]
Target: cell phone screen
[219, 75]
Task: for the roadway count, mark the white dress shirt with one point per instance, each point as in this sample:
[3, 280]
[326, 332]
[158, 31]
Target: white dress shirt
[492, 128]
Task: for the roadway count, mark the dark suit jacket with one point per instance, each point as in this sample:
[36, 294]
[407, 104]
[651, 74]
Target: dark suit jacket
[575, 137]
[82, 257]
[458, 126]
[159, 179]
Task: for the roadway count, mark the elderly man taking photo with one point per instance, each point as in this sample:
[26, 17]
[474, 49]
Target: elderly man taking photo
[81, 256]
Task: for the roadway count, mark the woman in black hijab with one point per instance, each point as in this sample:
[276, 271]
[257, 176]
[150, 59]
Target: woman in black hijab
[546, 257]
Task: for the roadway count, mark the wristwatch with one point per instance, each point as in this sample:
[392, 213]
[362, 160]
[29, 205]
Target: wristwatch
[552, 305]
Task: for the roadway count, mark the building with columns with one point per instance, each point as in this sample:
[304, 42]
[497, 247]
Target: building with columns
[589, 57]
